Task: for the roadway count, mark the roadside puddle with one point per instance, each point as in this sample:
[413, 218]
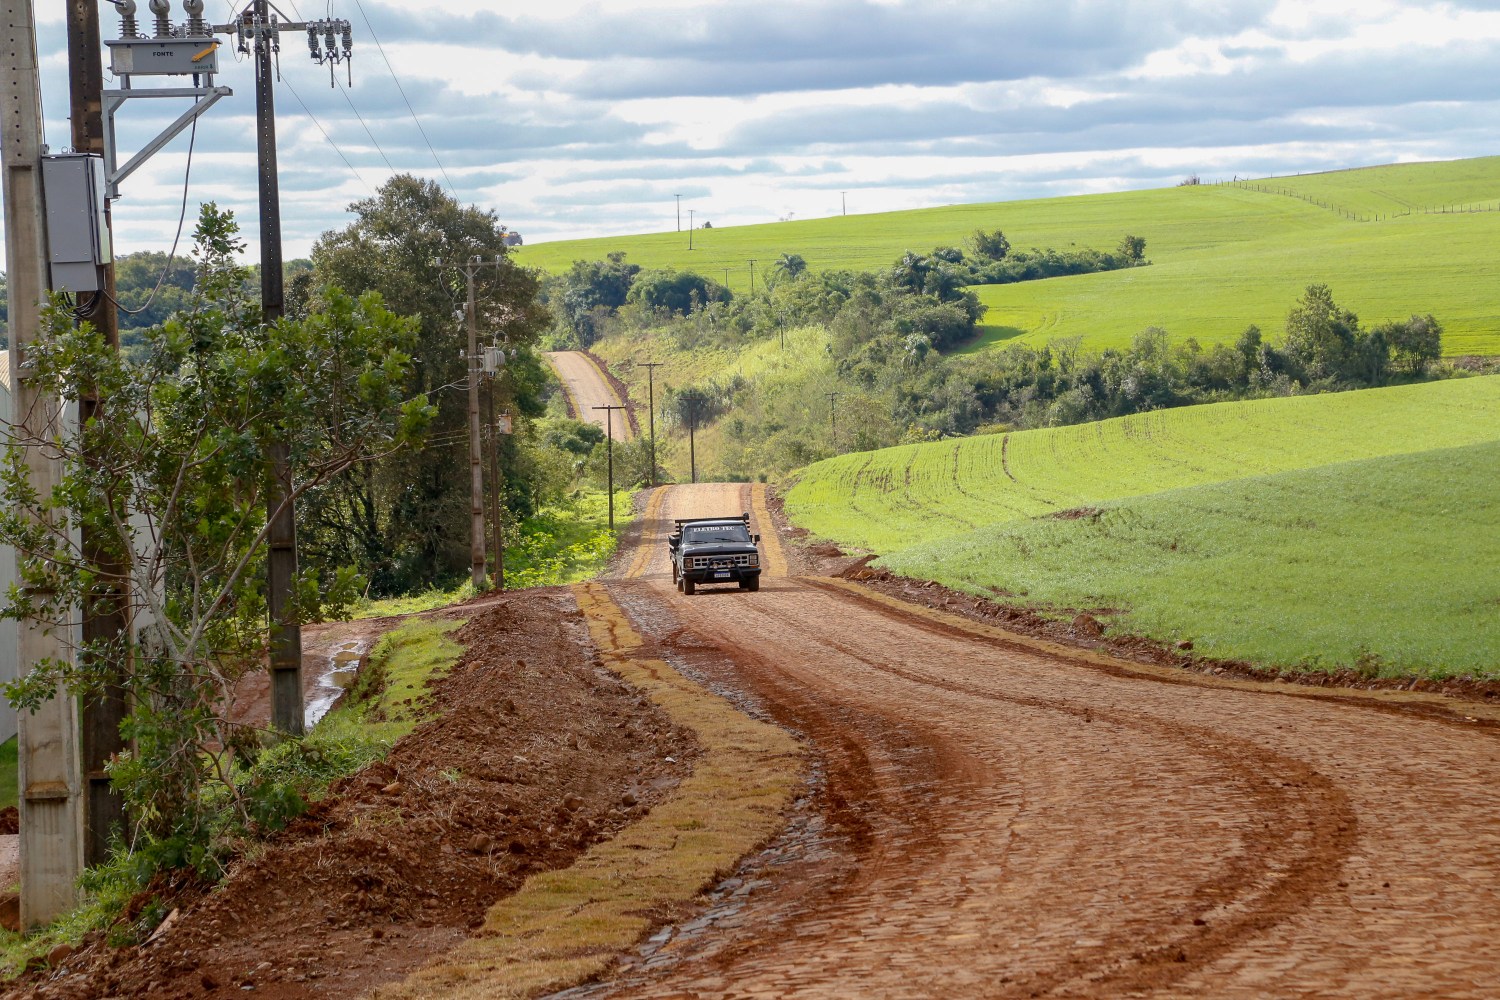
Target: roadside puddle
[338, 673]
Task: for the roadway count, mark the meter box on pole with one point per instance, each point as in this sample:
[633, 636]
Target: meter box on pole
[73, 187]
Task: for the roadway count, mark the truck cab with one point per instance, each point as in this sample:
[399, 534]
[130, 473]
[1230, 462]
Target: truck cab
[714, 550]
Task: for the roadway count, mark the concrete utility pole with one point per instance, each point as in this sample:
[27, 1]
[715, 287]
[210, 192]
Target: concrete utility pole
[651, 367]
[287, 710]
[497, 529]
[106, 616]
[470, 269]
[752, 276]
[844, 201]
[609, 448]
[679, 211]
[690, 229]
[51, 799]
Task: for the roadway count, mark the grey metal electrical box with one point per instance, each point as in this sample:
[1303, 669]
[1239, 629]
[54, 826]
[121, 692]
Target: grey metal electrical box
[163, 56]
[77, 237]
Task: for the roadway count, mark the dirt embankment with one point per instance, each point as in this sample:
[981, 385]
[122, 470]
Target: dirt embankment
[535, 753]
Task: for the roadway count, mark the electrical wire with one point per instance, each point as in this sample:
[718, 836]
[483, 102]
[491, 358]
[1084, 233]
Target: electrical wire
[402, 91]
[350, 101]
[308, 111]
[181, 218]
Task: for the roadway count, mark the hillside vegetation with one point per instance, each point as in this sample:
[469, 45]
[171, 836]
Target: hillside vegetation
[1354, 529]
[1390, 240]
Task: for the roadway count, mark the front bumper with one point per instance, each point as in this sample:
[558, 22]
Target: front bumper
[731, 574]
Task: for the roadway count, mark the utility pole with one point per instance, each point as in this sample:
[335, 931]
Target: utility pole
[495, 534]
[679, 211]
[51, 799]
[609, 448]
[651, 367]
[287, 709]
[692, 442]
[477, 557]
[690, 229]
[106, 615]
[833, 417]
[752, 276]
[261, 34]
[844, 201]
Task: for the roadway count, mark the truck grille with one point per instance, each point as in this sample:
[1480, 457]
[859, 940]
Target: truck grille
[721, 562]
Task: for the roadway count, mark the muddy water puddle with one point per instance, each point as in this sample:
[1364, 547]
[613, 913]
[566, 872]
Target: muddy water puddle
[336, 675]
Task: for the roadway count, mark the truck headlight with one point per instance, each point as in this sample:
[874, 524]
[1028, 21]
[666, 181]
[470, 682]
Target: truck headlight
[755, 559]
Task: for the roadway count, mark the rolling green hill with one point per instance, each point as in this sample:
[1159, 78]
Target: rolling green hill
[1391, 565]
[1261, 529]
[1224, 256]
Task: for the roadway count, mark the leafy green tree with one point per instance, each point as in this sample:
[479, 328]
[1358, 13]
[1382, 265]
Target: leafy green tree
[990, 246]
[1320, 336]
[1416, 344]
[676, 292]
[403, 521]
[174, 486]
[592, 289]
[790, 266]
[1132, 248]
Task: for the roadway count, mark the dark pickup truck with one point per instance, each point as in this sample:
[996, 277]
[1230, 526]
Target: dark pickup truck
[714, 550]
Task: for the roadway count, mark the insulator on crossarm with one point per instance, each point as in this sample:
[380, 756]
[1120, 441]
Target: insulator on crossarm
[348, 40]
[196, 28]
[129, 27]
[162, 8]
[312, 45]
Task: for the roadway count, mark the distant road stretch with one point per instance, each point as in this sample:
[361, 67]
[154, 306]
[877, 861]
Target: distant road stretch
[587, 388]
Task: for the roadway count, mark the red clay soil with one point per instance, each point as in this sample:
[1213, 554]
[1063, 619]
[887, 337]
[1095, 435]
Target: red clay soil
[621, 389]
[535, 753]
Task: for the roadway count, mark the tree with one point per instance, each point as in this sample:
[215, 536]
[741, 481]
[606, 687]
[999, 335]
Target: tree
[677, 292]
[170, 479]
[590, 286]
[1132, 248]
[990, 246]
[1415, 344]
[1320, 336]
[403, 521]
[790, 266]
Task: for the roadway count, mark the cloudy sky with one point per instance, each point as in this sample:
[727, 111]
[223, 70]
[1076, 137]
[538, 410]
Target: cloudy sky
[586, 117]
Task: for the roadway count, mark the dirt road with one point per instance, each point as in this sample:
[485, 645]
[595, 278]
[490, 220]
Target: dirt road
[993, 820]
[587, 388]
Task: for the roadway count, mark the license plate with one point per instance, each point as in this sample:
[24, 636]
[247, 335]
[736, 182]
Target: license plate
[722, 576]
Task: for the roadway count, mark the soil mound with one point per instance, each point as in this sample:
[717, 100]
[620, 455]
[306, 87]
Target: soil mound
[536, 752]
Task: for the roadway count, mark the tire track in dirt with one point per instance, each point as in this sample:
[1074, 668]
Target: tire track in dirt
[1039, 824]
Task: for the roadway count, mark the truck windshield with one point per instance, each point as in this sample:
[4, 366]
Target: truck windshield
[717, 533]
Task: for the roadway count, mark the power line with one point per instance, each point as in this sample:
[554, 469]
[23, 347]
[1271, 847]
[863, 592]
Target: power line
[328, 137]
[181, 218]
[402, 91]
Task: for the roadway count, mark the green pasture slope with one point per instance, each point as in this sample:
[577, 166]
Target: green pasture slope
[1390, 241]
[972, 513]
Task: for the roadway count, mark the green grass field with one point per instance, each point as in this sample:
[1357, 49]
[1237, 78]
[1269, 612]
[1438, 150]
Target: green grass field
[1391, 565]
[1253, 495]
[1224, 256]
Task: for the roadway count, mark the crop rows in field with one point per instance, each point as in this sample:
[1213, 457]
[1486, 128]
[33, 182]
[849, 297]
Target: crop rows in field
[1390, 565]
[898, 497]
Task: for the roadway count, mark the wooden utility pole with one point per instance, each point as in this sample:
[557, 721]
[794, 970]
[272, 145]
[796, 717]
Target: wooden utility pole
[609, 448]
[752, 276]
[476, 458]
[51, 799]
[106, 615]
[833, 417]
[651, 367]
[287, 708]
[497, 532]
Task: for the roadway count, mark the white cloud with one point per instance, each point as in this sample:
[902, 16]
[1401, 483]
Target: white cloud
[579, 117]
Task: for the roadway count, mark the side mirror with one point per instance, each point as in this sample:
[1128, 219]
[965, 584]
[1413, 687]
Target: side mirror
[755, 539]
